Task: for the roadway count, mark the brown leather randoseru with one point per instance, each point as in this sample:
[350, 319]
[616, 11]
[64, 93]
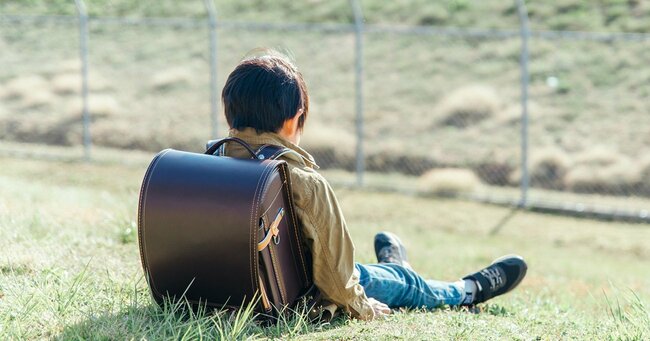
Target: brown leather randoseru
[220, 231]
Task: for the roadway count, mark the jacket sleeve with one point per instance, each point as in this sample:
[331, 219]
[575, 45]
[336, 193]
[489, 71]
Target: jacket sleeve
[332, 249]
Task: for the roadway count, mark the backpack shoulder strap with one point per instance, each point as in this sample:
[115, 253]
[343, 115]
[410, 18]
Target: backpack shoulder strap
[219, 151]
[216, 147]
[265, 152]
[271, 152]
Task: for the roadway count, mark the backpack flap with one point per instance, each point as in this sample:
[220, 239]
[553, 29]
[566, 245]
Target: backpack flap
[197, 223]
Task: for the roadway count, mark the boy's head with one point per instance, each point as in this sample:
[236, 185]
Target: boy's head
[267, 93]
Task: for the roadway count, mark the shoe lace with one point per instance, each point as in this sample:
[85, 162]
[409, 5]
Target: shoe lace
[494, 276]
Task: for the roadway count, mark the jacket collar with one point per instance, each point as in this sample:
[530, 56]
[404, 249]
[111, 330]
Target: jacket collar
[251, 136]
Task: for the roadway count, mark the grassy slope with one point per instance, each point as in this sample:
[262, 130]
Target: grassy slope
[406, 80]
[601, 98]
[605, 15]
[70, 267]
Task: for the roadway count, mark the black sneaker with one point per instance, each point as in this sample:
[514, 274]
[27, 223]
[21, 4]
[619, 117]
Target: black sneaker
[389, 249]
[503, 275]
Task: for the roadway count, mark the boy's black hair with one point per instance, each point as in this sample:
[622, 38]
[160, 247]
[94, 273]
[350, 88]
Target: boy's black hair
[263, 92]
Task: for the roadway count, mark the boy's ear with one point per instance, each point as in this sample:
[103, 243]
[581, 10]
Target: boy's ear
[298, 118]
[291, 127]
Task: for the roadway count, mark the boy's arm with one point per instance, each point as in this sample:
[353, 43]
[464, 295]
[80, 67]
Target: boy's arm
[332, 249]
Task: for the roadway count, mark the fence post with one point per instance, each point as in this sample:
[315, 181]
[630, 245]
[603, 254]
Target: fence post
[358, 34]
[214, 95]
[523, 64]
[82, 14]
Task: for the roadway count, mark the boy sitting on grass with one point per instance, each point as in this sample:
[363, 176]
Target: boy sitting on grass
[266, 102]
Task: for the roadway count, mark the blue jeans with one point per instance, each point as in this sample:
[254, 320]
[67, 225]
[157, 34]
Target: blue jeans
[397, 286]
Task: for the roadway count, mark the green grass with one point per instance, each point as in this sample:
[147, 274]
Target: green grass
[70, 269]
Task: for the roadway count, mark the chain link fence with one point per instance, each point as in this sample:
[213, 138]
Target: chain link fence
[589, 121]
[434, 110]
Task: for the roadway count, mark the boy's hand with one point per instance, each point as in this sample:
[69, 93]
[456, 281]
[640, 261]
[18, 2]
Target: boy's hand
[380, 309]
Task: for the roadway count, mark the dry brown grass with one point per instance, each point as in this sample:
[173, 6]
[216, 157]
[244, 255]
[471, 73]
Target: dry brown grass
[70, 83]
[390, 160]
[331, 147]
[336, 148]
[494, 172]
[600, 170]
[511, 114]
[549, 167]
[30, 92]
[604, 170]
[24, 86]
[67, 83]
[318, 135]
[170, 78]
[625, 172]
[645, 167]
[125, 136]
[48, 129]
[37, 98]
[67, 130]
[584, 179]
[598, 156]
[116, 134]
[468, 105]
[620, 178]
[99, 106]
[449, 181]
[70, 66]
[645, 174]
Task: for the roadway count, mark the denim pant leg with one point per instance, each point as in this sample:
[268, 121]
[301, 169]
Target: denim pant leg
[398, 286]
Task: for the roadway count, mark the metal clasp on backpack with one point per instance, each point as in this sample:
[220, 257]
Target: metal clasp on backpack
[273, 232]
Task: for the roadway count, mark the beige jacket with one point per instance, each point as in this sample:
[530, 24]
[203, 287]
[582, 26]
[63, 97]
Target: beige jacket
[323, 225]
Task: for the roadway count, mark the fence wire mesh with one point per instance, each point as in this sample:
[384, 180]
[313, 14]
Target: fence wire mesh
[443, 108]
[39, 80]
[589, 122]
[441, 105]
[151, 86]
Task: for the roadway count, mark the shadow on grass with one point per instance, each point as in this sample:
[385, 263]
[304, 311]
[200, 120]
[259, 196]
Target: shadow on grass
[504, 220]
[154, 322]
